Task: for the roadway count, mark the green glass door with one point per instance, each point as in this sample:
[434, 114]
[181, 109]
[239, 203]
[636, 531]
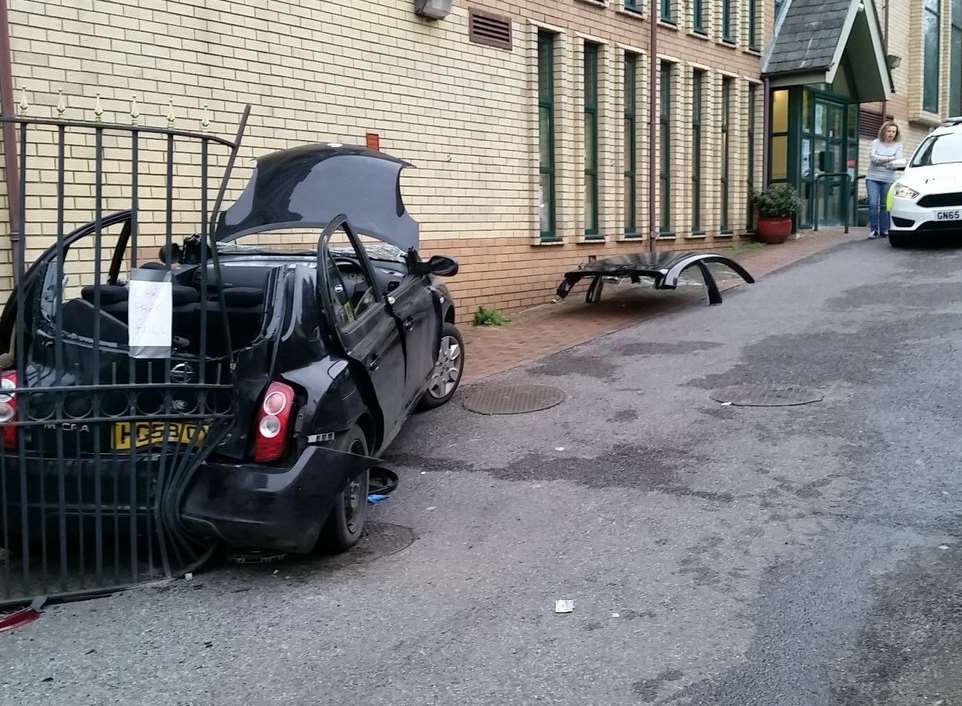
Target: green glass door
[825, 162]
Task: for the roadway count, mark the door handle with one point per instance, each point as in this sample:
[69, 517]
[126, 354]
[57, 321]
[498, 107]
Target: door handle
[374, 362]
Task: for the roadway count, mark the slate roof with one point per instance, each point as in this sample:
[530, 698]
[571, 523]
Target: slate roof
[809, 36]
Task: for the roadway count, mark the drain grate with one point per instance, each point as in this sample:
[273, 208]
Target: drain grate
[511, 399]
[766, 395]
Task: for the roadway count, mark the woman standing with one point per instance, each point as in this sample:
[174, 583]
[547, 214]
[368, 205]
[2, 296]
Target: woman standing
[885, 150]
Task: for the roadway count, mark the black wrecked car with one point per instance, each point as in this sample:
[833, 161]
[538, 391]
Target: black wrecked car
[235, 389]
[340, 344]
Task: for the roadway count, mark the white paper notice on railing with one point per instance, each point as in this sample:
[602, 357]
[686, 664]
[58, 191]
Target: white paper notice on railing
[150, 313]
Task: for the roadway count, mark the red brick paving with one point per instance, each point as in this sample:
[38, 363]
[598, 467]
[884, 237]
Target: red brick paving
[550, 328]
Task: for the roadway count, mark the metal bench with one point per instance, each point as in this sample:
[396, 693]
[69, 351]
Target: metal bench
[664, 268]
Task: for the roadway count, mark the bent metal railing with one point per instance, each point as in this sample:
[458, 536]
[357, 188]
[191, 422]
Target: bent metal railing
[113, 391]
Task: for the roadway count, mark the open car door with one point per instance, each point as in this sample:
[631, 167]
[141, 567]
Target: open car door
[360, 320]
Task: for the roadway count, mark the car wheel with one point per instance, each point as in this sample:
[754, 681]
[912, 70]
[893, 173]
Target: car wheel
[345, 524]
[898, 240]
[447, 371]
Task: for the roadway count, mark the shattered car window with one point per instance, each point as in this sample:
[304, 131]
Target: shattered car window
[278, 242]
[381, 252]
[293, 242]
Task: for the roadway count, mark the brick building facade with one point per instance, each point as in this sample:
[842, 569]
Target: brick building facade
[907, 37]
[469, 112]
[465, 113]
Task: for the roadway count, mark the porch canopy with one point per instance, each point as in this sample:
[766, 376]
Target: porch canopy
[815, 39]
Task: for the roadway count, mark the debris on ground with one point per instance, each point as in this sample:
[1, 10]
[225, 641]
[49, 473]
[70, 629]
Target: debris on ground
[256, 556]
[564, 606]
[22, 617]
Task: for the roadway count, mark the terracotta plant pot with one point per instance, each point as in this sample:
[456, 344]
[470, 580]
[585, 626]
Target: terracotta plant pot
[773, 230]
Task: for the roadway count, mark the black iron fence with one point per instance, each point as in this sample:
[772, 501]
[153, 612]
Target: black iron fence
[116, 365]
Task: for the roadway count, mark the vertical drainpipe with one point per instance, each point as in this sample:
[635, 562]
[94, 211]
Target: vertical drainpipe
[9, 130]
[766, 110]
[885, 45]
[652, 127]
[766, 130]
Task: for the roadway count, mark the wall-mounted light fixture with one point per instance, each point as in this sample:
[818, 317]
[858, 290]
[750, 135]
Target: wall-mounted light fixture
[893, 61]
[433, 9]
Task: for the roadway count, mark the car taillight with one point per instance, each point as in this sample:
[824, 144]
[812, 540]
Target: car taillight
[8, 409]
[273, 423]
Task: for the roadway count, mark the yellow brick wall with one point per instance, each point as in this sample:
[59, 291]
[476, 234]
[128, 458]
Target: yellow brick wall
[906, 40]
[464, 114]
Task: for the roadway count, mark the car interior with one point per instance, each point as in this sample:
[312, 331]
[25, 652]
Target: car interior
[246, 281]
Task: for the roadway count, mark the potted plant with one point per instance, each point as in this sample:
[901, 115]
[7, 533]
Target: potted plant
[776, 207]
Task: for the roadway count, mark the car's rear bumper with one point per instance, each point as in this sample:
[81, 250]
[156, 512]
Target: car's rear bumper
[279, 508]
[244, 505]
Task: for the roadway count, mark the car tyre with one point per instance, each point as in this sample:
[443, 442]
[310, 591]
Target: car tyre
[898, 240]
[345, 523]
[446, 376]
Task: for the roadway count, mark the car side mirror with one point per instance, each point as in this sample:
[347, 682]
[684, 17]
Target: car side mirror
[899, 165]
[439, 265]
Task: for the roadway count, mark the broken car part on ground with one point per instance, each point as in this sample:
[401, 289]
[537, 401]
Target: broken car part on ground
[230, 390]
[665, 269]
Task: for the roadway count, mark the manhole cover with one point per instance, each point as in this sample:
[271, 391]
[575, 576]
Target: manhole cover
[760, 395]
[383, 539]
[511, 399]
[380, 539]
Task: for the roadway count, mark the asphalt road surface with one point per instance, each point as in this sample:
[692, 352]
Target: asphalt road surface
[779, 556]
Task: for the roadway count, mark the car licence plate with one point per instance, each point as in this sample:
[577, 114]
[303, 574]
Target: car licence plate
[129, 435]
[955, 215]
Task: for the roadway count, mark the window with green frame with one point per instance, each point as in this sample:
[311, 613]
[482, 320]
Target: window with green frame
[698, 16]
[750, 136]
[546, 142]
[632, 6]
[726, 22]
[955, 71]
[932, 22]
[631, 144]
[697, 93]
[665, 12]
[591, 139]
[778, 157]
[753, 25]
[726, 114]
[664, 134]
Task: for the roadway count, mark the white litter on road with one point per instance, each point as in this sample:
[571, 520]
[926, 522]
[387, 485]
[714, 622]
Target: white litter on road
[564, 606]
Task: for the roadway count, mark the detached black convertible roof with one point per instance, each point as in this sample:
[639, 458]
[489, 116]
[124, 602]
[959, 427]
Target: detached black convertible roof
[309, 186]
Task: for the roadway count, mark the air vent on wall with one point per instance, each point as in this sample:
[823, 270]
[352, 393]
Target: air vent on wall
[492, 30]
[869, 123]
